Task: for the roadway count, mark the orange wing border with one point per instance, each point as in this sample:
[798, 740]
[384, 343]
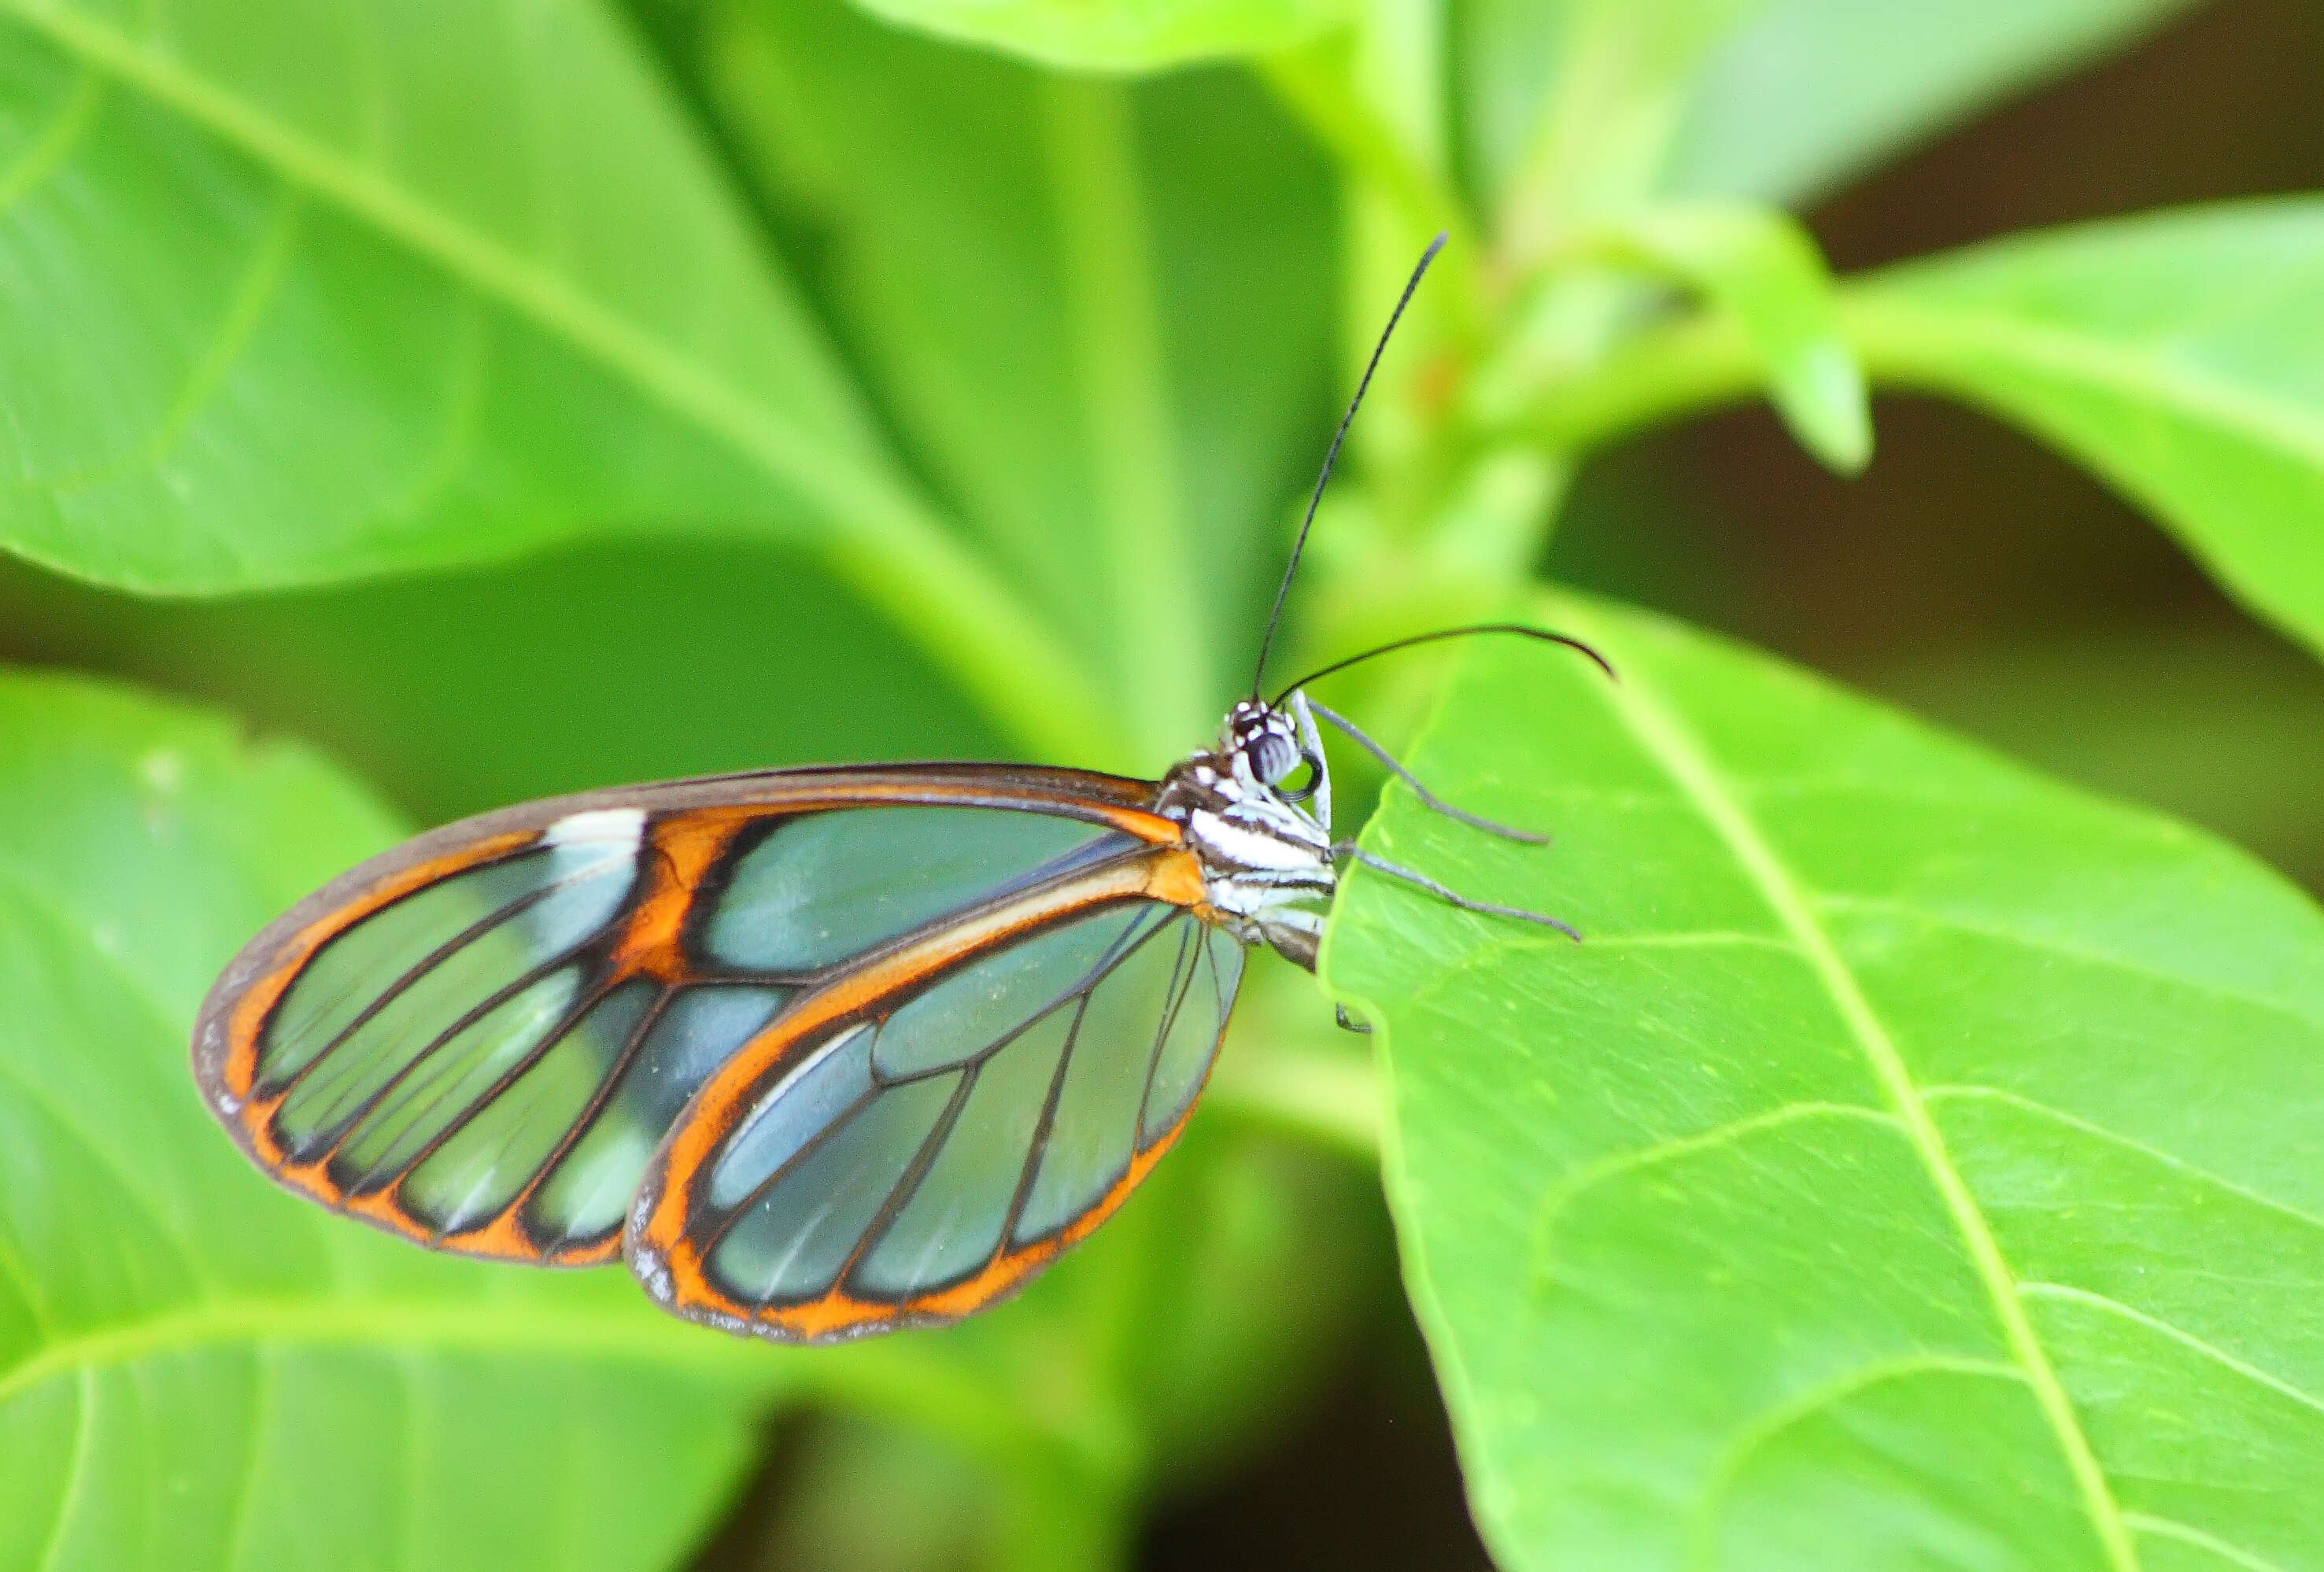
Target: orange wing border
[690, 825]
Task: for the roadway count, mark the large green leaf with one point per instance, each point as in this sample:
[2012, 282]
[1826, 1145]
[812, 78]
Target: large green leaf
[2180, 356]
[291, 293]
[1603, 92]
[1096, 311]
[422, 282]
[197, 1370]
[1915, 1166]
[1137, 35]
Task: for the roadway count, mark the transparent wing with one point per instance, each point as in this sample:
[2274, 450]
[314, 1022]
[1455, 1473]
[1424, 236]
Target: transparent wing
[916, 1156]
[479, 1040]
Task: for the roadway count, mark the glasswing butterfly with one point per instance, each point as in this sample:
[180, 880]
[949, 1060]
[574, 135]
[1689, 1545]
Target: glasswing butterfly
[822, 1053]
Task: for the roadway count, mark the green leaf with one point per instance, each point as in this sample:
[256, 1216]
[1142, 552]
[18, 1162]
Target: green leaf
[295, 294]
[2181, 357]
[197, 1370]
[1764, 268]
[1102, 334]
[426, 282]
[1810, 93]
[1780, 101]
[1914, 1166]
[1118, 35]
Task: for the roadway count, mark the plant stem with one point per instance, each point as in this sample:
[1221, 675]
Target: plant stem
[1697, 364]
[947, 598]
[1160, 667]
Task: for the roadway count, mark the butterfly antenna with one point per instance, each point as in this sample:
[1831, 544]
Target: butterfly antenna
[1331, 456]
[1539, 635]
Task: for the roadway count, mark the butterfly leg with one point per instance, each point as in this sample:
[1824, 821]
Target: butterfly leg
[1419, 880]
[1428, 799]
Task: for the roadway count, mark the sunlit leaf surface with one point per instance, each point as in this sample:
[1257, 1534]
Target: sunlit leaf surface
[1915, 1166]
[292, 292]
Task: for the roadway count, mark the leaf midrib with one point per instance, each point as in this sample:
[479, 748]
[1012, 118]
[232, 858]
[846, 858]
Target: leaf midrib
[462, 1325]
[1658, 730]
[491, 269]
[1915, 342]
[917, 1380]
[885, 541]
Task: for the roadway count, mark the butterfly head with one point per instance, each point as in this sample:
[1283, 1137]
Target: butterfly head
[1277, 748]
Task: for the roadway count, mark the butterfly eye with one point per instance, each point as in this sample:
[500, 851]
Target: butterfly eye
[1271, 756]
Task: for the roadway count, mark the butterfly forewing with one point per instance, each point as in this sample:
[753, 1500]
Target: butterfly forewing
[480, 1040]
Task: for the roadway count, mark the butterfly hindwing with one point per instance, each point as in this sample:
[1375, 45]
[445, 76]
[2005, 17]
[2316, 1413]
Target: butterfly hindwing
[480, 1039]
[907, 1153]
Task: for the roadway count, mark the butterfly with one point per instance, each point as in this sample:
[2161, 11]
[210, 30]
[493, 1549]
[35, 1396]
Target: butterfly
[822, 1053]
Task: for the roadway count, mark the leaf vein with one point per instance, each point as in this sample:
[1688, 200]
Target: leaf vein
[1771, 1422]
[84, 1425]
[1896, 334]
[2171, 1529]
[123, 1169]
[1559, 1196]
[370, 1323]
[1662, 734]
[54, 143]
[463, 401]
[2046, 945]
[245, 1500]
[206, 374]
[884, 540]
[2186, 1339]
[1492, 954]
[2128, 1143]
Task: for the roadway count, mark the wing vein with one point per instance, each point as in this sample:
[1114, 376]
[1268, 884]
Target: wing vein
[907, 1183]
[1038, 1147]
[590, 1111]
[474, 1013]
[807, 1148]
[410, 978]
[1181, 984]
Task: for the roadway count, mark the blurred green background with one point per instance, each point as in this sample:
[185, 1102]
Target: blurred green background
[1969, 576]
